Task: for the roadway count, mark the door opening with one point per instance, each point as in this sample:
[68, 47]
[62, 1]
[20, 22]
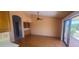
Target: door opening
[17, 27]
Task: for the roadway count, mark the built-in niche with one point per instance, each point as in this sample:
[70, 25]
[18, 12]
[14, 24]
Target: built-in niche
[26, 28]
[26, 25]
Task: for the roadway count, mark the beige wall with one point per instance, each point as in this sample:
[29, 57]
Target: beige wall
[47, 26]
[25, 17]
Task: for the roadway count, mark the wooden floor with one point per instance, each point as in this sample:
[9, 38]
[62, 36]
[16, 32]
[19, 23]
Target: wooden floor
[39, 41]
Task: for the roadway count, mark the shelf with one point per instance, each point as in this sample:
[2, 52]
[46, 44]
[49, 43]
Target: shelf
[26, 29]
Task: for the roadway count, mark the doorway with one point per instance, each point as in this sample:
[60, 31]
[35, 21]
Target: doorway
[17, 27]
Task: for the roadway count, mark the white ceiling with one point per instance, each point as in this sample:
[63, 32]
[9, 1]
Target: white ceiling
[55, 14]
[44, 13]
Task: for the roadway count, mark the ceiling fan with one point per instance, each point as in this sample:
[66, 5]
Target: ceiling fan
[38, 17]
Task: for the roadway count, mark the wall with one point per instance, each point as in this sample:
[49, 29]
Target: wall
[48, 26]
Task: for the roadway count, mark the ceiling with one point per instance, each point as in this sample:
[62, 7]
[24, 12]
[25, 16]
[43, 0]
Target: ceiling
[56, 14]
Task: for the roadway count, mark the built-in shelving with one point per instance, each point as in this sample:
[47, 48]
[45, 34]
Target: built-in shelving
[26, 28]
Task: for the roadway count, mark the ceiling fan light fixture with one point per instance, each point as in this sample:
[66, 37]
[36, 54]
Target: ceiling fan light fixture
[38, 18]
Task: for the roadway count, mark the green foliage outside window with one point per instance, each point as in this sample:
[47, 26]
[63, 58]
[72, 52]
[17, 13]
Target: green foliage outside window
[74, 28]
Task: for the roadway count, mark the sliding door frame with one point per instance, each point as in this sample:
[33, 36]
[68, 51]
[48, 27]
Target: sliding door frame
[68, 36]
[72, 15]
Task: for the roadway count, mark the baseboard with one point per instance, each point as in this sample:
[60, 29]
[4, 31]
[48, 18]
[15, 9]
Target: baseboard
[46, 36]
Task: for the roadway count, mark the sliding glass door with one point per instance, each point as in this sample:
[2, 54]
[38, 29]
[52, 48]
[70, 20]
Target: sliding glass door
[74, 36]
[71, 32]
[66, 32]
